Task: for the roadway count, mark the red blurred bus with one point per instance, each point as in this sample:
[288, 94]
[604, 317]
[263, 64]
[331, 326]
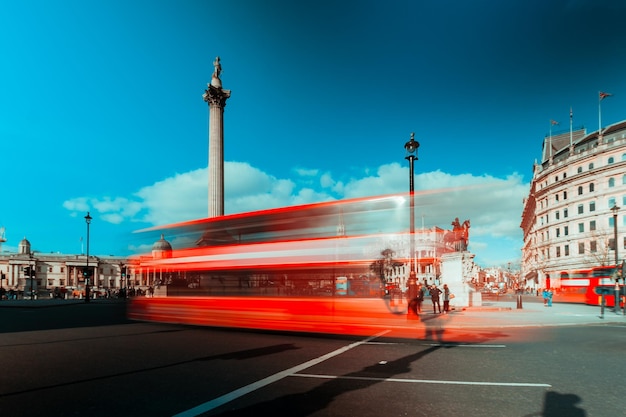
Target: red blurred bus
[603, 278]
[572, 286]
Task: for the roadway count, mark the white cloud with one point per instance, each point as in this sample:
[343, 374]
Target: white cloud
[493, 205]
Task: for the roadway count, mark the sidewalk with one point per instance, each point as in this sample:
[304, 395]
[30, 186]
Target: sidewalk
[532, 314]
[50, 302]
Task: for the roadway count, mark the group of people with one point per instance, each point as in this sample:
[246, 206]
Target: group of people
[547, 297]
[435, 295]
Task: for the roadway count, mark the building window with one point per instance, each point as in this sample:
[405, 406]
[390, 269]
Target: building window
[593, 247]
[592, 225]
[62, 269]
[590, 166]
[611, 222]
[611, 244]
[565, 230]
[565, 212]
[611, 160]
[624, 179]
[566, 250]
[556, 197]
[558, 251]
[558, 232]
[580, 169]
[580, 190]
[564, 195]
[50, 269]
[581, 227]
[591, 187]
[611, 202]
[581, 248]
[557, 215]
[580, 209]
[592, 206]
[611, 182]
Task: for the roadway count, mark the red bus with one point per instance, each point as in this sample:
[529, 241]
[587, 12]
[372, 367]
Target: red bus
[572, 286]
[603, 278]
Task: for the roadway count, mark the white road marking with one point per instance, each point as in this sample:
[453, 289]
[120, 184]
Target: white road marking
[210, 405]
[427, 381]
[462, 345]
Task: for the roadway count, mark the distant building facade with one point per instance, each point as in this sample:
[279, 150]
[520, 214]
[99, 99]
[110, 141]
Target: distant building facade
[568, 219]
[52, 270]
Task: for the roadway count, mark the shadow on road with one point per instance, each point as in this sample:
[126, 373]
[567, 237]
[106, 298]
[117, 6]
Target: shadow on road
[27, 318]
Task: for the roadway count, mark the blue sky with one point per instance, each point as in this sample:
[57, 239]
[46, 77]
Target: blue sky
[101, 108]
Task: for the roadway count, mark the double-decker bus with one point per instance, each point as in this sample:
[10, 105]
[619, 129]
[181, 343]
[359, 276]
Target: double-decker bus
[603, 279]
[572, 286]
[317, 267]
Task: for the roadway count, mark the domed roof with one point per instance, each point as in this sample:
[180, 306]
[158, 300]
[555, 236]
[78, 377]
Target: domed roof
[162, 245]
[24, 246]
[161, 249]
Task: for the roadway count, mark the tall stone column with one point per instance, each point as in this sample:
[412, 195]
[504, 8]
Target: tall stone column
[216, 97]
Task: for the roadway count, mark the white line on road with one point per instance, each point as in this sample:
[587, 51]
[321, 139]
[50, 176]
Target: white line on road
[427, 381]
[464, 345]
[210, 405]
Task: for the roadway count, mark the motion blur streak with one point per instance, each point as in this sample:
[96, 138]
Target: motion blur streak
[337, 267]
[347, 316]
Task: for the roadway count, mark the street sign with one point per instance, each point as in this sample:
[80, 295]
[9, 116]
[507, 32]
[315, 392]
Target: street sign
[604, 290]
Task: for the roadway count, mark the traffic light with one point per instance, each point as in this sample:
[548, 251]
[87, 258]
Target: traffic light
[123, 272]
[27, 271]
[87, 272]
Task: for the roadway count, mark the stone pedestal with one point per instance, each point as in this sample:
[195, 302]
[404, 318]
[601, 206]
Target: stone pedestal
[455, 271]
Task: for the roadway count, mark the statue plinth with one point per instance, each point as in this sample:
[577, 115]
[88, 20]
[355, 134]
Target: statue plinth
[455, 271]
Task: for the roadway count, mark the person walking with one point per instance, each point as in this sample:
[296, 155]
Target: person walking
[446, 298]
[549, 295]
[420, 297]
[434, 296]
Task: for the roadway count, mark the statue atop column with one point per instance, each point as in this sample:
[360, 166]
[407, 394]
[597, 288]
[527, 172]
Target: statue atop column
[215, 78]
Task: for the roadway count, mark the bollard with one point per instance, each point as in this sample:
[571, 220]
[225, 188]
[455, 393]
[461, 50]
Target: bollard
[519, 301]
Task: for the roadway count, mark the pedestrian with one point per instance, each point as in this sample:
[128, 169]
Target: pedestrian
[446, 298]
[549, 294]
[434, 296]
[544, 294]
[420, 297]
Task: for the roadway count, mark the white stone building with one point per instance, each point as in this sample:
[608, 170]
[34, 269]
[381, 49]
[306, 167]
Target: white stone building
[576, 203]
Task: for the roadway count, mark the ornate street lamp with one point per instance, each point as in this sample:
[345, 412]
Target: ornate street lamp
[88, 274]
[411, 155]
[615, 209]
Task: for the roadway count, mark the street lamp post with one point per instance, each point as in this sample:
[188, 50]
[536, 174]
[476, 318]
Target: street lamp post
[122, 280]
[411, 155]
[615, 209]
[31, 273]
[88, 275]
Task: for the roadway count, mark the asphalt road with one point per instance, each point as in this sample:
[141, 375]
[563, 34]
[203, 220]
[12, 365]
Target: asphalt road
[88, 360]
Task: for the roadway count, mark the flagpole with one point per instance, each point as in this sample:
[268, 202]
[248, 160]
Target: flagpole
[571, 123]
[599, 114]
[550, 141]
